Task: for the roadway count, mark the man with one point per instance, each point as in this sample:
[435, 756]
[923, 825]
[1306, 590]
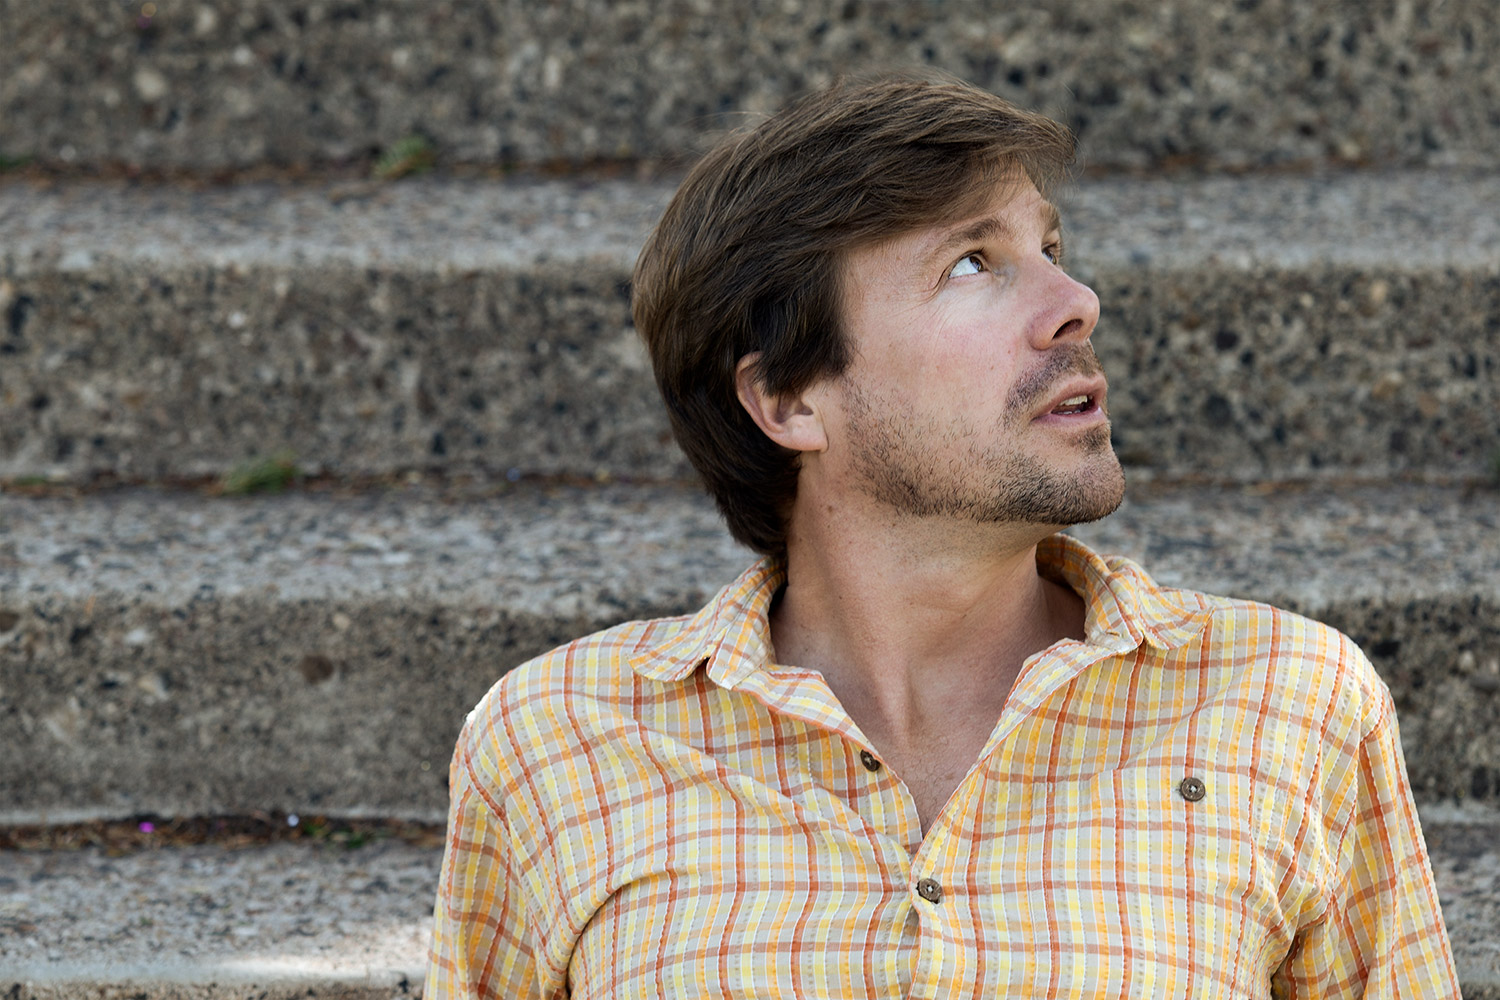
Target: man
[927, 746]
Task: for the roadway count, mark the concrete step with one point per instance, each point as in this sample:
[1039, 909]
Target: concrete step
[225, 83]
[293, 921]
[183, 655]
[1256, 327]
[272, 922]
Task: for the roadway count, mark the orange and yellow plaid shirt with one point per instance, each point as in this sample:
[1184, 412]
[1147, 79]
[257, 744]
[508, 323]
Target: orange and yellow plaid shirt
[1204, 798]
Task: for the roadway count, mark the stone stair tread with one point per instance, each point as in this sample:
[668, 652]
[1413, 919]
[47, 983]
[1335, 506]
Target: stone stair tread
[418, 224]
[533, 548]
[350, 634]
[1413, 218]
[289, 919]
[219, 921]
[1306, 546]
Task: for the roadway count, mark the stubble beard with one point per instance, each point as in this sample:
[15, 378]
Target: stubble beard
[901, 465]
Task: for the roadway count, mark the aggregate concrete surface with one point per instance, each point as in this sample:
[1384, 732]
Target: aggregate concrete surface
[300, 651]
[1466, 867]
[281, 920]
[1253, 327]
[186, 655]
[220, 83]
[155, 331]
[289, 920]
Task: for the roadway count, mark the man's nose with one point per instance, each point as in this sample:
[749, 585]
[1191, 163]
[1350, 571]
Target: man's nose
[1072, 316]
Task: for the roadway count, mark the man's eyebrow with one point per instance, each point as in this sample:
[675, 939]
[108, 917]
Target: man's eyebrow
[988, 228]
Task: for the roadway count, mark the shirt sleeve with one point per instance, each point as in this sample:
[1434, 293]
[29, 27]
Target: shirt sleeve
[1382, 935]
[480, 935]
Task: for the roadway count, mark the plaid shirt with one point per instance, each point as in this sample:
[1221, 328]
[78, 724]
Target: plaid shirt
[1205, 798]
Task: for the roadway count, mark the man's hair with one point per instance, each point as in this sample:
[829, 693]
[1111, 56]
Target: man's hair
[748, 257]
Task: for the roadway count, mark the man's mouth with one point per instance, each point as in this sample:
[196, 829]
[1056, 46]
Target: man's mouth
[1077, 399]
[1075, 404]
[1069, 368]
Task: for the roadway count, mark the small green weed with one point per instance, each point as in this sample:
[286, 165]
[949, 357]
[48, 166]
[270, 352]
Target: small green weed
[270, 474]
[351, 839]
[411, 155]
[13, 162]
[334, 832]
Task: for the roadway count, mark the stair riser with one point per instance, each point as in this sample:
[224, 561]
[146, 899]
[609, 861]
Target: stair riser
[253, 703]
[211, 85]
[189, 372]
[1267, 373]
[233, 705]
[1231, 373]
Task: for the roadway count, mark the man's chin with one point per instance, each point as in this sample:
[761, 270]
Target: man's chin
[1091, 491]
[1049, 497]
[1103, 497]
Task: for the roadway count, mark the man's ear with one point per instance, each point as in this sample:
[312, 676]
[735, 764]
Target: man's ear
[792, 421]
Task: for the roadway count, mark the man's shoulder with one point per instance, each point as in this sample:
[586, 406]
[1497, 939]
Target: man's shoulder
[1298, 656]
[1282, 631]
[1125, 592]
[606, 690]
[560, 683]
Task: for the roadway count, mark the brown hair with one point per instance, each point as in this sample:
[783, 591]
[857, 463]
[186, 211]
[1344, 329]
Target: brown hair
[748, 255]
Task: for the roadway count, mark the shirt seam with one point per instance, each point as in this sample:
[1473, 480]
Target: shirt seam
[1339, 897]
[531, 904]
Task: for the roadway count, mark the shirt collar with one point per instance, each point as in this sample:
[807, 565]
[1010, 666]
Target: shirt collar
[732, 633]
[1124, 607]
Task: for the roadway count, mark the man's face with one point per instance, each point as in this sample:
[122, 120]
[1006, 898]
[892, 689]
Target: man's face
[974, 392]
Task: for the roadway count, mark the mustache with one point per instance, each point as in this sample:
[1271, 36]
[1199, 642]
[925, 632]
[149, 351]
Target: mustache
[1035, 386]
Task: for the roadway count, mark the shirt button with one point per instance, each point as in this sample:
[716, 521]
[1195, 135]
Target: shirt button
[1191, 789]
[929, 890]
[868, 760]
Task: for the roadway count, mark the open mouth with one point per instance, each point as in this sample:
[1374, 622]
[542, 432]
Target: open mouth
[1082, 403]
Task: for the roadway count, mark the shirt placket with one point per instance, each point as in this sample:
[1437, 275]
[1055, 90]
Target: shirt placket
[887, 808]
[948, 950]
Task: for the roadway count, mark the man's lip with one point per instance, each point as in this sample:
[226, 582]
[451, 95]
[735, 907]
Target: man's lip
[1094, 388]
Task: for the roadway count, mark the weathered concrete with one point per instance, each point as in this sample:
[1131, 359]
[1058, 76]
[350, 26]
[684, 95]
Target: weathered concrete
[160, 331]
[270, 922]
[1258, 327]
[1280, 327]
[1466, 867]
[290, 921]
[182, 655]
[216, 84]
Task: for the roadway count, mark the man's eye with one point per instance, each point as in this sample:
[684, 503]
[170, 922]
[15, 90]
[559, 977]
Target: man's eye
[970, 264]
[1053, 252]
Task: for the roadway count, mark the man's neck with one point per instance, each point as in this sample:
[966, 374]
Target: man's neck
[920, 627]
